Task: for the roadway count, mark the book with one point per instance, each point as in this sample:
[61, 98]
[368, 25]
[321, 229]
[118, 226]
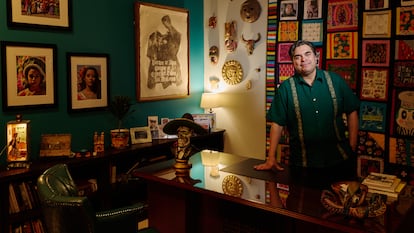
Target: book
[391, 188]
[380, 179]
[14, 205]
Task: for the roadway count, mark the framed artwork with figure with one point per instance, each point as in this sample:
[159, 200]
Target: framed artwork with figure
[162, 54]
[87, 81]
[29, 75]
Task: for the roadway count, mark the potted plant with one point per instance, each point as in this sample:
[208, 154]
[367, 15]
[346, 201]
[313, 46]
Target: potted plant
[120, 107]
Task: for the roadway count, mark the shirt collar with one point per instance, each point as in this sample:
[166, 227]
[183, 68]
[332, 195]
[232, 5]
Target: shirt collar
[319, 76]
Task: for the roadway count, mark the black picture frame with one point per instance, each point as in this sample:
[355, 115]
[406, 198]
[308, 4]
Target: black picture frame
[57, 15]
[18, 59]
[95, 96]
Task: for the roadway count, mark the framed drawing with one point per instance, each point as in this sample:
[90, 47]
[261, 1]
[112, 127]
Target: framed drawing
[368, 164]
[88, 81]
[372, 116]
[404, 50]
[55, 14]
[29, 75]
[312, 9]
[376, 4]
[404, 16]
[343, 15]
[283, 52]
[162, 69]
[140, 135]
[374, 84]
[348, 69]
[375, 52]
[312, 30]
[377, 24]
[403, 74]
[206, 120]
[52, 145]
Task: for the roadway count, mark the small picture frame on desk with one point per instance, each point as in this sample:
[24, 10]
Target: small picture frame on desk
[367, 164]
[55, 145]
[140, 135]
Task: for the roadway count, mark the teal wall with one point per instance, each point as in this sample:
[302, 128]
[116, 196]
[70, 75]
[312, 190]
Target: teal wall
[102, 26]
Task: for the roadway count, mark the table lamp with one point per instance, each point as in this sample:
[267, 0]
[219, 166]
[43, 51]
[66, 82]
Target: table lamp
[209, 101]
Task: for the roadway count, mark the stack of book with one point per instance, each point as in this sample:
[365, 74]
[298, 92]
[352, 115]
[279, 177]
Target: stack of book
[385, 184]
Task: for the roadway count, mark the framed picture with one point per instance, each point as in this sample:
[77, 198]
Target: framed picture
[375, 52]
[283, 54]
[88, 81]
[368, 164]
[339, 10]
[376, 4]
[404, 50]
[29, 75]
[154, 127]
[372, 116]
[377, 24]
[162, 69]
[55, 14]
[374, 84]
[312, 30]
[342, 45]
[52, 145]
[400, 123]
[288, 30]
[403, 74]
[289, 10]
[404, 16]
[140, 135]
[348, 69]
[206, 120]
[312, 9]
[407, 2]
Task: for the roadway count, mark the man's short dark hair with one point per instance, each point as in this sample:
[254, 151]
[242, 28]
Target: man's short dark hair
[300, 43]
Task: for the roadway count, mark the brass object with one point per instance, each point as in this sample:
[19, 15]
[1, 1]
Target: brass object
[250, 11]
[232, 72]
[232, 186]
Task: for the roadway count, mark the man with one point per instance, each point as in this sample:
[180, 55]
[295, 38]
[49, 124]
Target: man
[311, 105]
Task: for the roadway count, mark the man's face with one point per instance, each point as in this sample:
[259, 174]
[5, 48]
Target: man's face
[184, 134]
[304, 60]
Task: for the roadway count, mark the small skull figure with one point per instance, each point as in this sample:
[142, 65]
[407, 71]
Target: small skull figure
[250, 11]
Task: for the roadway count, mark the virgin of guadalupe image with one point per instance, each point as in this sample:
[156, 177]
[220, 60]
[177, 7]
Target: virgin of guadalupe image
[164, 67]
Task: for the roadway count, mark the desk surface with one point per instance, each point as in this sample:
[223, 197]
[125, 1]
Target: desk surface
[233, 178]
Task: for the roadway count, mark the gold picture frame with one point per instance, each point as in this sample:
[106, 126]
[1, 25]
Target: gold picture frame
[162, 69]
[140, 135]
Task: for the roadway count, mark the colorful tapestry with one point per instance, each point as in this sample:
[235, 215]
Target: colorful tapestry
[375, 53]
[288, 31]
[404, 49]
[312, 30]
[402, 123]
[342, 15]
[402, 151]
[372, 116]
[405, 20]
[348, 69]
[403, 74]
[342, 45]
[374, 84]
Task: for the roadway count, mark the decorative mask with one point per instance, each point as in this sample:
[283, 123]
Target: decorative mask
[250, 11]
[250, 43]
[214, 54]
[230, 36]
[212, 22]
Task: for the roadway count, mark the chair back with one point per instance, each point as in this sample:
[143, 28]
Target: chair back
[63, 210]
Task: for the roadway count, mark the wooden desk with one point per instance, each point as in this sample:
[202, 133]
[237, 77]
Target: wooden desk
[264, 205]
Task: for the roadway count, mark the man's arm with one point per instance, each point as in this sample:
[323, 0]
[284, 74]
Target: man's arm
[353, 129]
[275, 134]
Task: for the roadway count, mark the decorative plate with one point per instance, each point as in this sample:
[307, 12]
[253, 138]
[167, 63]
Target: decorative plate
[232, 186]
[232, 72]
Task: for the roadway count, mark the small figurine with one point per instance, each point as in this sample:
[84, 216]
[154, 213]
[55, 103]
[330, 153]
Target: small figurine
[184, 128]
[212, 22]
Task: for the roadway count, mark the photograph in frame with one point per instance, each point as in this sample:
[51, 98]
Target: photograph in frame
[368, 164]
[55, 15]
[289, 10]
[140, 135]
[162, 52]
[312, 9]
[29, 75]
[154, 127]
[87, 81]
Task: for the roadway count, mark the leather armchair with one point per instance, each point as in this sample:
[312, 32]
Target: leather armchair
[66, 212]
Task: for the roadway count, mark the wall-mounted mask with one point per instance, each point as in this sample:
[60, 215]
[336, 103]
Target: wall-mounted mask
[250, 11]
[214, 54]
[251, 43]
[230, 36]
[212, 22]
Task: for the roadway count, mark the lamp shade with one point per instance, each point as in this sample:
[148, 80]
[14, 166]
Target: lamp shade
[209, 100]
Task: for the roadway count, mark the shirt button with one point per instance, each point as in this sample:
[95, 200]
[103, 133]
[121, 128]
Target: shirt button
[314, 99]
[316, 111]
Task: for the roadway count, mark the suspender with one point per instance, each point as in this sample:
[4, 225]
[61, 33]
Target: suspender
[299, 116]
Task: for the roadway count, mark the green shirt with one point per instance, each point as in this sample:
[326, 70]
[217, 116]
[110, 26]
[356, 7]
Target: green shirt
[323, 147]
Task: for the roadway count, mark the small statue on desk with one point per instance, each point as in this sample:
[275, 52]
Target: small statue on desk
[184, 128]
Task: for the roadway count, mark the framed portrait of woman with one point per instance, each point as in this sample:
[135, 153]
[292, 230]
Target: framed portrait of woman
[29, 75]
[88, 81]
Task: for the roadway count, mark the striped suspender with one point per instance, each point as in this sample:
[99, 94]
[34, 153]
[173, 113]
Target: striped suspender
[299, 116]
